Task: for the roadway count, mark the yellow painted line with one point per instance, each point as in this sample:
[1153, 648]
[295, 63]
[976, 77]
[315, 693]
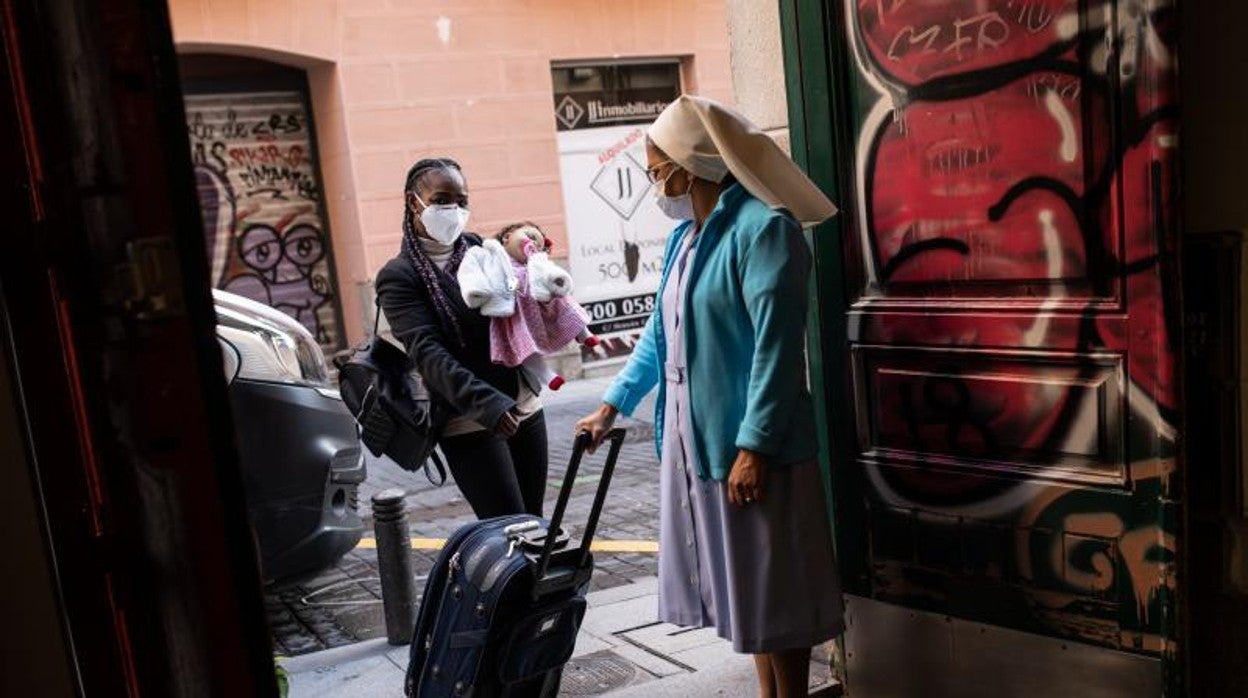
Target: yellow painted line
[625, 546]
[602, 546]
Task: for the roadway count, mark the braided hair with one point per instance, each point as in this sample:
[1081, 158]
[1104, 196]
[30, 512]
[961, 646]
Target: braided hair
[424, 266]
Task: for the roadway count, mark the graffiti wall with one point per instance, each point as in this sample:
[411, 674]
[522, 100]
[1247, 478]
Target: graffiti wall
[1012, 338]
[261, 199]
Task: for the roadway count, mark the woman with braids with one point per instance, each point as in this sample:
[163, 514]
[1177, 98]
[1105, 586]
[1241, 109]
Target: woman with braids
[495, 444]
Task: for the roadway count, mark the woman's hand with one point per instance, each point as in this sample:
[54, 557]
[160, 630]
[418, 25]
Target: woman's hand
[507, 425]
[597, 424]
[747, 479]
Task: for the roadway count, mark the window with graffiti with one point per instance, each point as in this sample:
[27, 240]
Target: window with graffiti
[261, 198]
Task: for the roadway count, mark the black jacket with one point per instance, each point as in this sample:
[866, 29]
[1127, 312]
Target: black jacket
[463, 376]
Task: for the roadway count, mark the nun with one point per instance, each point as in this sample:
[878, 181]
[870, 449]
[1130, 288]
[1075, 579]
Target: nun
[745, 540]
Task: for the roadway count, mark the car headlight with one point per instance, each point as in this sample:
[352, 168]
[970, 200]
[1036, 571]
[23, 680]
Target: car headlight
[271, 346]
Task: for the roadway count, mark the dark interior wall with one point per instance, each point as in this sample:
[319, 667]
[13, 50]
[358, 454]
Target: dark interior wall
[33, 656]
[1213, 63]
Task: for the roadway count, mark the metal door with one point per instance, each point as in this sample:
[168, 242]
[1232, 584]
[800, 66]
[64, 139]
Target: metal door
[1007, 169]
[258, 176]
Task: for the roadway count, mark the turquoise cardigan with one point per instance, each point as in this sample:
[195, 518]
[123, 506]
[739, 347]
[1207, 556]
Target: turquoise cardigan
[745, 339]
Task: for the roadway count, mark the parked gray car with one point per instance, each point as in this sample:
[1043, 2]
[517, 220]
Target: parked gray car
[298, 446]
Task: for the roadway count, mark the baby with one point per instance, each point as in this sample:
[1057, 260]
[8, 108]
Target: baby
[512, 280]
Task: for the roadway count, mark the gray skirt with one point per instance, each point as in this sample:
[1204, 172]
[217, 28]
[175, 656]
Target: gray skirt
[763, 575]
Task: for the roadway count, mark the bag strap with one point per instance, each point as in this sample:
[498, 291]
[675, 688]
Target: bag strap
[435, 457]
[377, 317]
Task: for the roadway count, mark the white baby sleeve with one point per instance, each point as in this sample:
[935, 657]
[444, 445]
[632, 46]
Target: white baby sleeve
[487, 282]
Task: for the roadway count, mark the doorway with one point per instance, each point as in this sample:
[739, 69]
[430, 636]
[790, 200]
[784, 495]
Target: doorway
[257, 172]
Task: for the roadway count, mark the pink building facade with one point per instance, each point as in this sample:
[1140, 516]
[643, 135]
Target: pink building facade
[389, 82]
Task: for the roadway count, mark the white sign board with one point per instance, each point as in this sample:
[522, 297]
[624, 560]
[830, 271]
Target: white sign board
[616, 232]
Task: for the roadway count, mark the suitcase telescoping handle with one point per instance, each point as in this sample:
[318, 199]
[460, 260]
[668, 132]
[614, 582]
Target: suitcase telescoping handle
[581, 556]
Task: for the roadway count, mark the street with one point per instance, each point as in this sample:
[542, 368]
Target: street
[342, 605]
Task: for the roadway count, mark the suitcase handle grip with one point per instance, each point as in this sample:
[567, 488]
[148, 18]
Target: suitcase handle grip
[616, 437]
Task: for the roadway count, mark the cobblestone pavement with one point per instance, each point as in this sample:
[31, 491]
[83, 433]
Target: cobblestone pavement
[342, 605]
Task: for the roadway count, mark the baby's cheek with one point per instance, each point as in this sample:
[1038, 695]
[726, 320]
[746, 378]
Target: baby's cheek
[515, 249]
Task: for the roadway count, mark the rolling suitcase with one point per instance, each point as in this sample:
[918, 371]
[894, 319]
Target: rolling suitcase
[505, 599]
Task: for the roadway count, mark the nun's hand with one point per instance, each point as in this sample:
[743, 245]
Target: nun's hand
[748, 478]
[597, 424]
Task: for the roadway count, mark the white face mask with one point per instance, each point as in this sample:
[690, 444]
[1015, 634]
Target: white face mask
[679, 207]
[443, 222]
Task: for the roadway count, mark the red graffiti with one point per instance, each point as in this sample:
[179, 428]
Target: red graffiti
[942, 167]
[290, 156]
[1014, 326]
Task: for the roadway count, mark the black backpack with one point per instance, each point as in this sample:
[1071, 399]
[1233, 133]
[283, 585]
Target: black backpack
[375, 386]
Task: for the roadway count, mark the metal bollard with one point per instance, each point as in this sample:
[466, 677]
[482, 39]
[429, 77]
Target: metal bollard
[394, 560]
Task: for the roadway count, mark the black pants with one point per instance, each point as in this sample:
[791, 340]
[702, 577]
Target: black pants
[501, 476]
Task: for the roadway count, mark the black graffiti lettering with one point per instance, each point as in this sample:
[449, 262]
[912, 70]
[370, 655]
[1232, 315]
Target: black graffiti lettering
[232, 129]
[949, 397]
[947, 402]
[276, 124]
[198, 130]
[210, 155]
[217, 154]
[279, 178]
[913, 250]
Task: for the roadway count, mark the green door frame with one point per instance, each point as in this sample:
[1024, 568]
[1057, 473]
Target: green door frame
[814, 60]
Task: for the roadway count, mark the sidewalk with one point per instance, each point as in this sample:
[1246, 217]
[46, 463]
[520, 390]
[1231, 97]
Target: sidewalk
[622, 651]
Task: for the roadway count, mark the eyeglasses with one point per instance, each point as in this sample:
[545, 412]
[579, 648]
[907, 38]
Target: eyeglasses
[652, 173]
